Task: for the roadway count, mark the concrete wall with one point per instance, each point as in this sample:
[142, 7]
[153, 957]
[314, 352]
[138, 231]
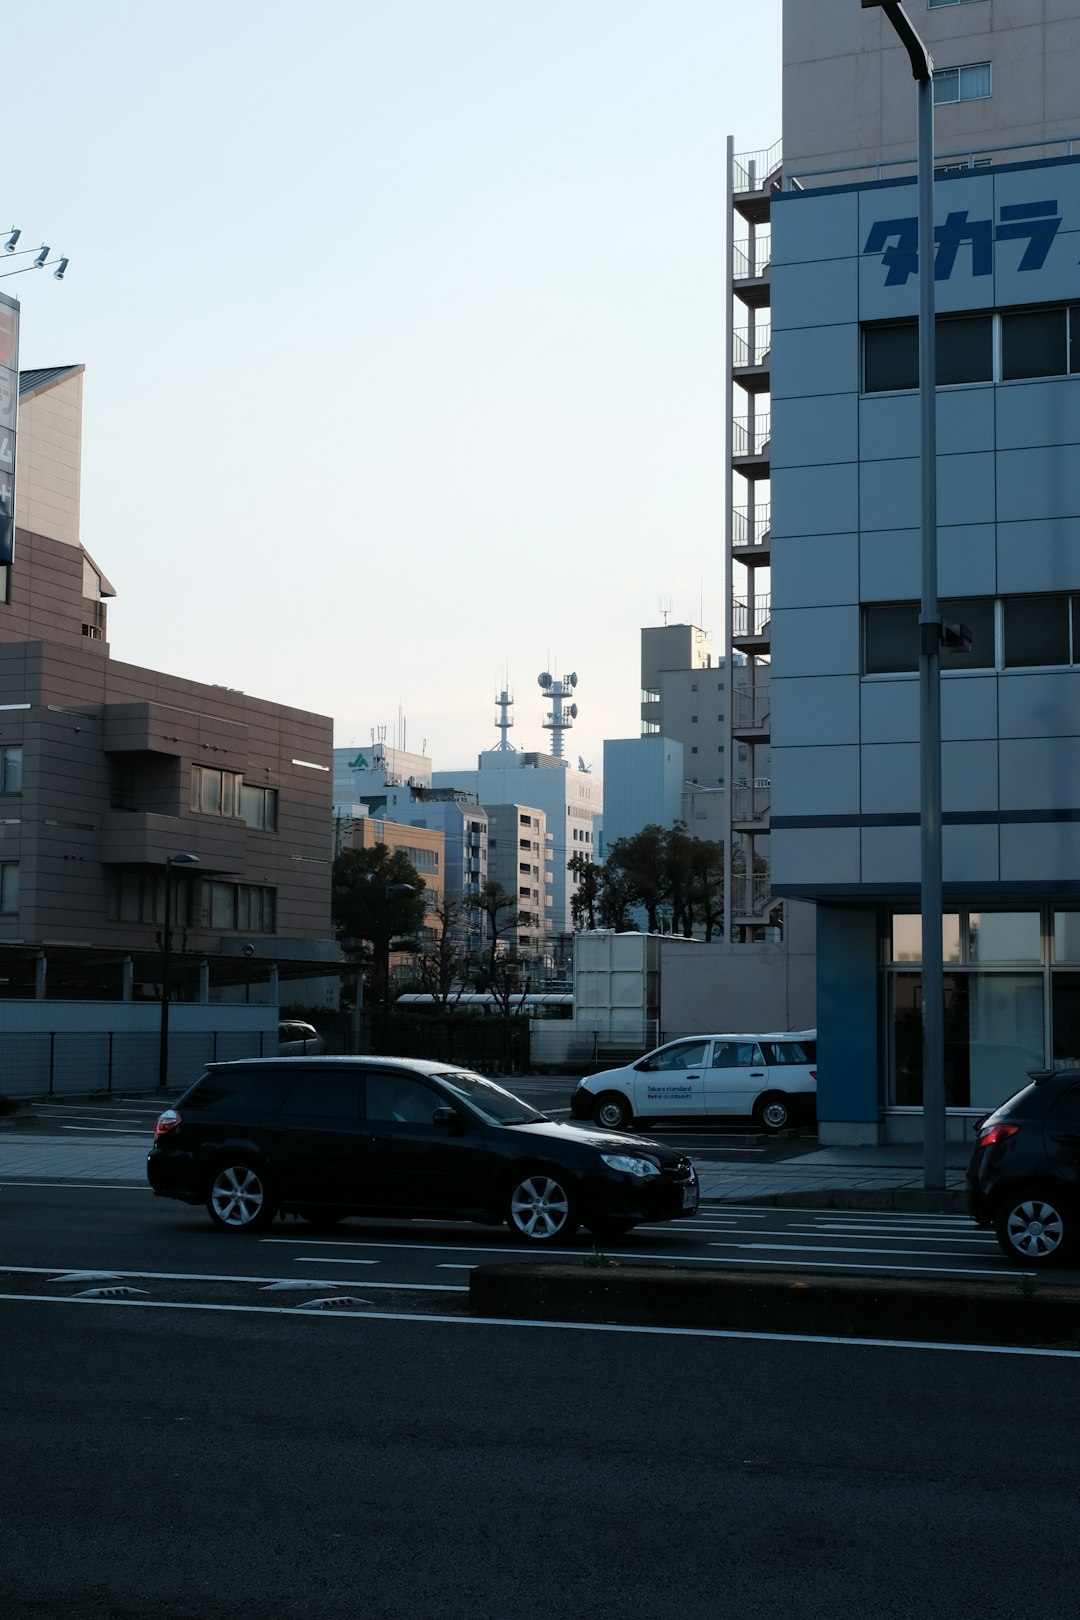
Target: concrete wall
[719, 987]
[849, 98]
[47, 483]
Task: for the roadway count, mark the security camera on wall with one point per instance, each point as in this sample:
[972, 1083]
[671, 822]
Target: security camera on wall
[248, 950]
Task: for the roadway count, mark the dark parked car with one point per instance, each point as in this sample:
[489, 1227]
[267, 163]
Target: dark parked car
[329, 1137]
[1024, 1175]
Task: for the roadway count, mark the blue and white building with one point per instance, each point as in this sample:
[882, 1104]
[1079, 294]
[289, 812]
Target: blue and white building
[837, 252]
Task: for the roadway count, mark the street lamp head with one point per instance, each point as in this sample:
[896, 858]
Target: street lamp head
[181, 860]
[400, 888]
[9, 245]
[922, 63]
[58, 273]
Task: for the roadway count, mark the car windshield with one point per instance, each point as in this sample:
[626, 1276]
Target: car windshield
[497, 1106]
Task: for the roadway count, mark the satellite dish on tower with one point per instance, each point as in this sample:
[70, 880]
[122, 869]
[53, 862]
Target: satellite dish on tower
[544, 679]
[573, 678]
[573, 711]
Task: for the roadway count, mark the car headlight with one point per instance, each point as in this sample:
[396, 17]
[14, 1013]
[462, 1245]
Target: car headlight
[632, 1167]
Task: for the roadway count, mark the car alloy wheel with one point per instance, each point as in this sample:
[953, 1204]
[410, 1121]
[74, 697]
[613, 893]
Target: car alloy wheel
[1033, 1229]
[613, 1112]
[239, 1199]
[541, 1210]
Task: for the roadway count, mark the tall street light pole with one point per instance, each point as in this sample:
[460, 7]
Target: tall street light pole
[166, 964]
[930, 630]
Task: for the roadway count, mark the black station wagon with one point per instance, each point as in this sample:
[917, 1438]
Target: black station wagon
[325, 1138]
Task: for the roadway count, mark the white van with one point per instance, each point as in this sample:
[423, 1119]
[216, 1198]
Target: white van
[770, 1079]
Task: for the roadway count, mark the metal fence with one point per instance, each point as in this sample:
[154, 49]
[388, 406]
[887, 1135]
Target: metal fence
[486, 1045]
[74, 1063]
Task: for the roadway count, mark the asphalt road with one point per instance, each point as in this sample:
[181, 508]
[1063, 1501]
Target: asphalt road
[171, 1251]
[193, 1465]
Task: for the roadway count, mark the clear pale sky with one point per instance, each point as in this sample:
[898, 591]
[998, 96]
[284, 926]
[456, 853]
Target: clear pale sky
[403, 332]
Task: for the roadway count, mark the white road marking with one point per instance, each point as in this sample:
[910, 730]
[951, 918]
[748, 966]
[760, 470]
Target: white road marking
[835, 1248]
[508, 1253]
[101, 1186]
[870, 1265]
[109, 1130]
[907, 1235]
[318, 1259]
[568, 1327]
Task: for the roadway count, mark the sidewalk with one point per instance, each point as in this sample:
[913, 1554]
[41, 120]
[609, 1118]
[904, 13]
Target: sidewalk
[826, 1178]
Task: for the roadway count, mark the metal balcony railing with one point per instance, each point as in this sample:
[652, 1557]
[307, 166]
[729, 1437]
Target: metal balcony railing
[750, 896]
[747, 533]
[750, 803]
[752, 349]
[751, 258]
[751, 707]
[750, 616]
[972, 157]
[752, 171]
[750, 435]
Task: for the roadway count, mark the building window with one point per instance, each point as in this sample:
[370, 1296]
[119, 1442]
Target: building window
[213, 792]
[258, 807]
[11, 768]
[965, 349]
[239, 908]
[5, 585]
[140, 897]
[1036, 631]
[9, 887]
[933, 3]
[970, 83]
[694, 749]
[1035, 343]
[891, 636]
[964, 353]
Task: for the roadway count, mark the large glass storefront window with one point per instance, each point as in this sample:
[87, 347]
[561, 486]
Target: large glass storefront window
[998, 992]
[993, 1037]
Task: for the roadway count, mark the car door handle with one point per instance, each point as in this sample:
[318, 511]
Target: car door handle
[757, 1074]
[1068, 1139]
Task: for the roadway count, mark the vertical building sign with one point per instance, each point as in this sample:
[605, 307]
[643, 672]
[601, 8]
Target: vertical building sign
[9, 405]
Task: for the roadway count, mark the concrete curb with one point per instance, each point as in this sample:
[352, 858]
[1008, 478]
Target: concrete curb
[1017, 1311]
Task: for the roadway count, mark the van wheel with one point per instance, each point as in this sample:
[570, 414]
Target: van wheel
[613, 1111]
[772, 1112]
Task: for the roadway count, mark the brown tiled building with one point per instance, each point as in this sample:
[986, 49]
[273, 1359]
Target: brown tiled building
[107, 769]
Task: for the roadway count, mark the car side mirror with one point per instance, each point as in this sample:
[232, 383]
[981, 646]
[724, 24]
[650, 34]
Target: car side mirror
[645, 1067]
[445, 1116]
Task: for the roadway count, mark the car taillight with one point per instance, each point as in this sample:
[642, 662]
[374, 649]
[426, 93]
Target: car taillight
[168, 1121]
[992, 1134]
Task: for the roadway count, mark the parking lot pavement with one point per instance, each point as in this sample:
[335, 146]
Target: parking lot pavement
[119, 1156]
